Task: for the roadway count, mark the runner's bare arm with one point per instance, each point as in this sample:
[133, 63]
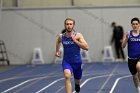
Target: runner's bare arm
[58, 44]
[80, 41]
[125, 39]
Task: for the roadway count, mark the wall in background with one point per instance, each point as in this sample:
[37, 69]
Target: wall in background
[54, 3]
[26, 29]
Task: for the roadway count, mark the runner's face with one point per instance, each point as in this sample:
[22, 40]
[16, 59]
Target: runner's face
[135, 25]
[69, 25]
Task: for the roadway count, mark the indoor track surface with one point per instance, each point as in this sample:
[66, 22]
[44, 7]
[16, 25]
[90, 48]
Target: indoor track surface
[98, 77]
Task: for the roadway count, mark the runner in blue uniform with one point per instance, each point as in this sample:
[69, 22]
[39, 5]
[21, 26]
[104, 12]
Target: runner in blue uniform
[133, 39]
[72, 42]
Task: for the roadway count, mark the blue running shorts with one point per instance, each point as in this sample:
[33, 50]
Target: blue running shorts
[75, 69]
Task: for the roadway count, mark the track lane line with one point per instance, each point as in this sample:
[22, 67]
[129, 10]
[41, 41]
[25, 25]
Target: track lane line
[91, 79]
[116, 82]
[23, 83]
[49, 85]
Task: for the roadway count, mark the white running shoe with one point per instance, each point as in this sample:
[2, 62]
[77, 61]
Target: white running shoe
[138, 89]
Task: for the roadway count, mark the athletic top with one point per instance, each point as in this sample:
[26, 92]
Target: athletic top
[71, 50]
[134, 46]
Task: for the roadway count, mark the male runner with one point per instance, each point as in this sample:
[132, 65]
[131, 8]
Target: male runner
[133, 39]
[72, 41]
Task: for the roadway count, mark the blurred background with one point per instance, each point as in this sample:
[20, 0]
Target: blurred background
[29, 24]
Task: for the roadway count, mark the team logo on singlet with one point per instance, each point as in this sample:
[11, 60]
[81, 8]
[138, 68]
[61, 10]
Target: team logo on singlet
[68, 42]
[135, 39]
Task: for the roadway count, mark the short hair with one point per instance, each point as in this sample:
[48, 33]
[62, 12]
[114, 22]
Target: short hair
[113, 24]
[69, 19]
[63, 31]
[135, 19]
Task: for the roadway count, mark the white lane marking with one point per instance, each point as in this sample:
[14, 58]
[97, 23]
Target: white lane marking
[22, 84]
[91, 79]
[15, 86]
[50, 85]
[116, 82]
[107, 80]
[102, 87]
